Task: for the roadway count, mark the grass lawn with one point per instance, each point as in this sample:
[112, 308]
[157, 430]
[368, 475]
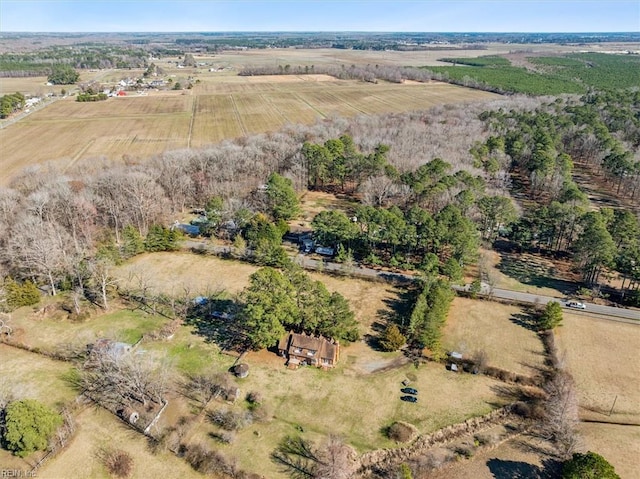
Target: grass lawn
[32, 376]
[173, 273]
[347, 402]
[474, 325]
[125, 325]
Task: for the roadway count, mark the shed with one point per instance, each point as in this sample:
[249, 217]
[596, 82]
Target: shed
[241, 370]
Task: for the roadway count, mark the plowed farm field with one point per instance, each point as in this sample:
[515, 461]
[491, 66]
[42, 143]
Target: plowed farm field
[217, 108]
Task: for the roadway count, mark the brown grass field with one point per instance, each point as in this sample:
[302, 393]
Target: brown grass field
[49, 332]
[603, 358]
[620, 445]
[98, 429]
[474, 325]
[219, 107]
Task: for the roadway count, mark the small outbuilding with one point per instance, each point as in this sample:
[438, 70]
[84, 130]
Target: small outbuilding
[241, 370]
[129, 415]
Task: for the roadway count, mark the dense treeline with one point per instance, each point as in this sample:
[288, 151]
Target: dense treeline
[83, 97]
[602, 133]
[370, 73]
[11, 103]
[573, 73]
[44, 61]
[63, 75]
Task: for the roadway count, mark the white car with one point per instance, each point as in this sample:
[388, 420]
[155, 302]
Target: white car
[576, 304]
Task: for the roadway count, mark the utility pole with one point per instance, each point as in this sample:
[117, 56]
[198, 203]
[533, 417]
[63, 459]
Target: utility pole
[613, 405]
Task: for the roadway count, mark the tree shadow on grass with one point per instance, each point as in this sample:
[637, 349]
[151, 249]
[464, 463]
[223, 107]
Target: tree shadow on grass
[216, 322]
[526, 320]
[502, 469]
[533, 271]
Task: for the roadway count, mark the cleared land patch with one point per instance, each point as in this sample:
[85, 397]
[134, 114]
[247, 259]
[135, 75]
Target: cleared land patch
[474, 325]
[227, 107]
[603, 358]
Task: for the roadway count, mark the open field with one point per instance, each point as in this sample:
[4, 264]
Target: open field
[474, 325]
[98, 429]
[527, 273]
[333, 56]
[219, 107]
[603, 358]
[28, 86]
[198, 274]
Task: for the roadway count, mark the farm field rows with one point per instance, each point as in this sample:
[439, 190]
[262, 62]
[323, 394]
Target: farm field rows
[218, 108]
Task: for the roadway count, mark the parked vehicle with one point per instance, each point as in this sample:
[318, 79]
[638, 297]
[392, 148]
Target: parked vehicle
[576, 304]
[409, 398]
[325, 251]
[409, 391]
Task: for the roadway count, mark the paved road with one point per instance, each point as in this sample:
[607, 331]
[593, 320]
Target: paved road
[594, 310]
[622, 314]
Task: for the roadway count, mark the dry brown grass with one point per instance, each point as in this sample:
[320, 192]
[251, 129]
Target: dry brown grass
[172, 273]
[474, 325]
[603, 358]
[508, 460]
[97, 429]
[347, 402]
[620, 445]
[221, 107]
[28, 86]
[526, 263]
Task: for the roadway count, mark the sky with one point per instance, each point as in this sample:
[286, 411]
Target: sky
[316, 15]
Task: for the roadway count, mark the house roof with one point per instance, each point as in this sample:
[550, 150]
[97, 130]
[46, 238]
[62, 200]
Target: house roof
[323, 346]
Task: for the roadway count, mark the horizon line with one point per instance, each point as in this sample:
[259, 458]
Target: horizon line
[629, 32]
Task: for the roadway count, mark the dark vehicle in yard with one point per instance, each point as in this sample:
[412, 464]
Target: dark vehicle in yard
[409, 391]
[409, 398]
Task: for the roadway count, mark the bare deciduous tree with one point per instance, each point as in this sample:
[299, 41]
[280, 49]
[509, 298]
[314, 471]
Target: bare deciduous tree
[103, 279]
[561, 414]
[113, 379]
[39, 249]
